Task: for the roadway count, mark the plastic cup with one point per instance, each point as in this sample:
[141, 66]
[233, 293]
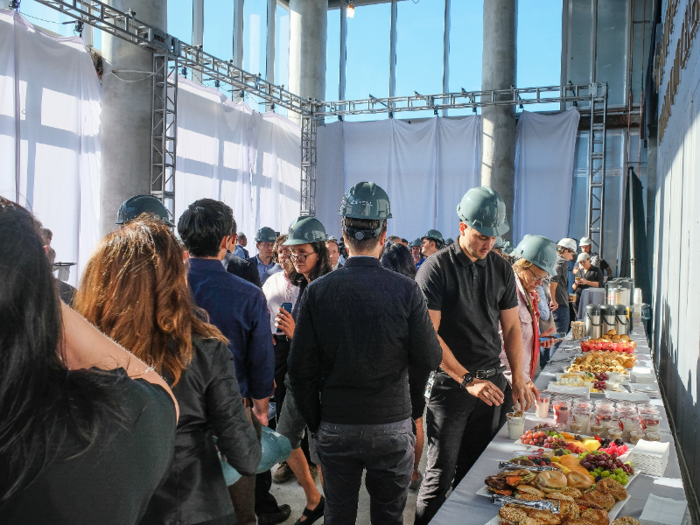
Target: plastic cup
[562, 411]
[596, 429]
[516, 427]
[582, 418]
[614, 433]
[635, 436]
[652, 436]
[542, 406]
[576, 427]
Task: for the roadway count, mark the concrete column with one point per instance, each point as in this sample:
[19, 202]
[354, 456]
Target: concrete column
[197, 32]
[126, 113]
[308, 22]
[498, 71]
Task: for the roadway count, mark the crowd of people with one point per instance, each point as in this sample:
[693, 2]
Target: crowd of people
[122, 399]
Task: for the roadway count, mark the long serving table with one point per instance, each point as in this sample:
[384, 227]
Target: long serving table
[464, 506]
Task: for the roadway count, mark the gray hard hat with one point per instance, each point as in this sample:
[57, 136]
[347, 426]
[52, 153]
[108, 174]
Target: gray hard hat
[540, 251]
[484, 210]
[135, 206]
[434, 235]
[306, 230]
[416, 243]
[366, 200]
[583, 257]
[499, 244]
[266, 234]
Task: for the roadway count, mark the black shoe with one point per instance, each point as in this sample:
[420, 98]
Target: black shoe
[312, 515]
[283, 512]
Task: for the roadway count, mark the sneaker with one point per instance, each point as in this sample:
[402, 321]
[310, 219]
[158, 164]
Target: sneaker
[283, 474]
[282, 514]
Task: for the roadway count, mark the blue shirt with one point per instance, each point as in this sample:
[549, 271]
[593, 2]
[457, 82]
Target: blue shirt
[239, 310]
[542, 305]
[419, 263]
[264, 271]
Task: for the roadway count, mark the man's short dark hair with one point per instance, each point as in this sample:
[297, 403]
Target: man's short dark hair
[367, 244]
[394, 239]
[203, 226]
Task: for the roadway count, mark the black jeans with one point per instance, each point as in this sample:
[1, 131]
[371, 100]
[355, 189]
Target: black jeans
[386, 451]
[458, 428]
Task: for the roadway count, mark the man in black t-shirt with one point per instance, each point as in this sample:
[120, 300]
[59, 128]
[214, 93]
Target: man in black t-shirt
[469, 289]
[592, 276]
[596, 260]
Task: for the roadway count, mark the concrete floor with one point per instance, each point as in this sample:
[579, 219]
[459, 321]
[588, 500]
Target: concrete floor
[291, 494]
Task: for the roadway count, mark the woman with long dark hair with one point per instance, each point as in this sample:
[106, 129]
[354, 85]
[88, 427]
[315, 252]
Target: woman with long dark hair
[309, 255]
[80, 441]
[398, 258]
[135, 290]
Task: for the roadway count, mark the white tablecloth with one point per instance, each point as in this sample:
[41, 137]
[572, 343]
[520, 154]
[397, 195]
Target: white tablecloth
[463, 506]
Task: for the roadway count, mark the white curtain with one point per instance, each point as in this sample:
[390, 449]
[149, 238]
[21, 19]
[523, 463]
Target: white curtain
[544, 164]
[229, 152]
[50, 105]
[425, 168]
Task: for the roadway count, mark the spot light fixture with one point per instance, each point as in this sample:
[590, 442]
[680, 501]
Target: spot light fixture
[350, 10]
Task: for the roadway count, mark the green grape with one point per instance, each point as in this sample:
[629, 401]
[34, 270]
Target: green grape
[605, 473]
[618, 471]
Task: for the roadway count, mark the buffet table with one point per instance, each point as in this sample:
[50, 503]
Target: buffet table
[464, 506]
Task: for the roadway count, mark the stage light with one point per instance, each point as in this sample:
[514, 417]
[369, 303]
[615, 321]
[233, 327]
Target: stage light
[350, 10]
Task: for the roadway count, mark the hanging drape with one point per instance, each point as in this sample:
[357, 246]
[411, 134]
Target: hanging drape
[50, 105]
[425, 167]
[229, 152]
[544, 164]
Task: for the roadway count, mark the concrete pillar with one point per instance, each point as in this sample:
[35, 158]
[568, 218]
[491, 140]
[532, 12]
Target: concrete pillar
[498, 71]
[197, 32]
[126, 113]
[308, 22]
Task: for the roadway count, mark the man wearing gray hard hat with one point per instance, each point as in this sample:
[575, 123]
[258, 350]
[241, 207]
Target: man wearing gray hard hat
[469, 289]
[358, 328]
[265, 243]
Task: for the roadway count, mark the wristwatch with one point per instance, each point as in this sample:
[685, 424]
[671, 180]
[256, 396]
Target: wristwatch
[466, 380]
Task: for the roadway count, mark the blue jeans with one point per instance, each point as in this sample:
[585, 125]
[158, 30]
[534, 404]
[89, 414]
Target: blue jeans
[386, 451]
[562, 318]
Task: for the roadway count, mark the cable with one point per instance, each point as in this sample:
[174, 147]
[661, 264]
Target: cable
[115, 71]
[37, 18]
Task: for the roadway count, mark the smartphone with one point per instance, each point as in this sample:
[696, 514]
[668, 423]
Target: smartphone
[288, 307]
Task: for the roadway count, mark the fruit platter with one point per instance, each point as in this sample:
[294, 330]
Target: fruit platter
[541, 487]
[596, 382]
[610, 342]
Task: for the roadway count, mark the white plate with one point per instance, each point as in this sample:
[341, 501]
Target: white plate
[612, 514]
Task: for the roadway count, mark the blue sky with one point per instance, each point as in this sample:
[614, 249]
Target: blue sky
[419, 47]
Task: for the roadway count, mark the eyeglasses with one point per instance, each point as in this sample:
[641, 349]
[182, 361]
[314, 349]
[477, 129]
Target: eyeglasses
[301, 257]
[537, 279]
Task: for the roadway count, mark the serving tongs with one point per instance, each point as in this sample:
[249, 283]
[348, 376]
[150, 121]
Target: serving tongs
[534, 468]
[551, 506]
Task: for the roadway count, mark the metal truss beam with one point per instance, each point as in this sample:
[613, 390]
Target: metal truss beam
[596, 170]
[309, 127]
[465, 99]
[128, 27]
[164, 130]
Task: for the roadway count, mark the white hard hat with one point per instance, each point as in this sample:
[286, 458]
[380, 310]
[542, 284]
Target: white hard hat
[585, 241]
[583, 257]
[568, 243]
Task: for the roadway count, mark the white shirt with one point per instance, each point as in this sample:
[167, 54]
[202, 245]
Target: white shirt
[278, 289]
